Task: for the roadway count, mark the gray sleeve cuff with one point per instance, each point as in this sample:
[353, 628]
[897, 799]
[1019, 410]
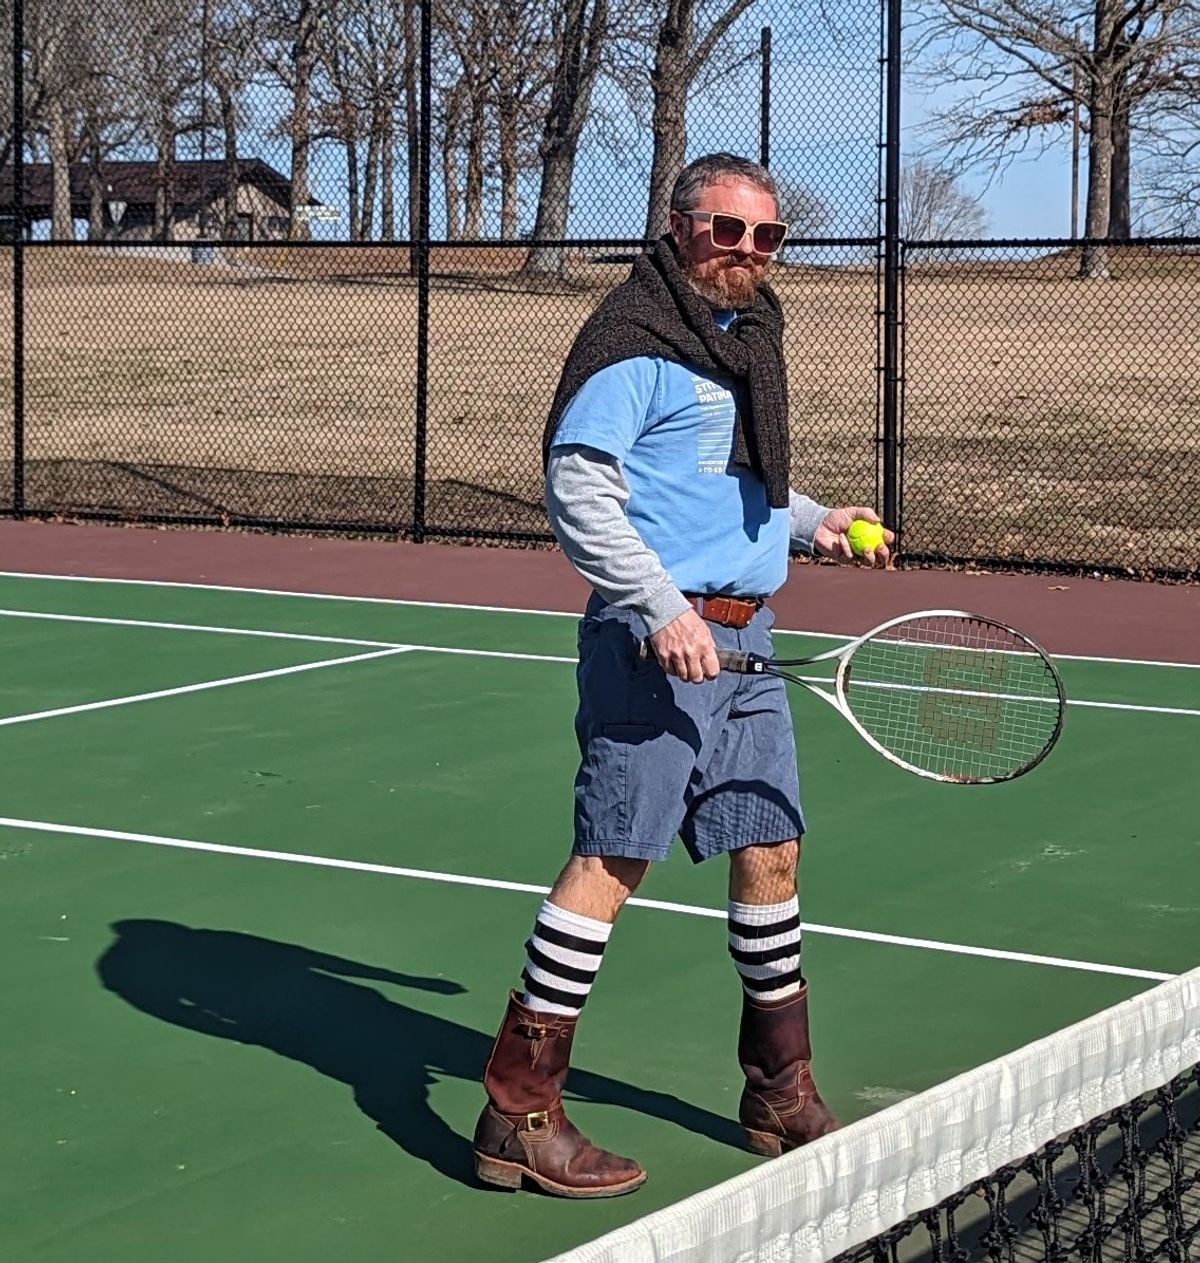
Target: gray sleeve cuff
[806, 515]
[662, 607]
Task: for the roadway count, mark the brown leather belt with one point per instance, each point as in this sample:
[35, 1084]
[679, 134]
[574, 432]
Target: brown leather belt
[729, 611]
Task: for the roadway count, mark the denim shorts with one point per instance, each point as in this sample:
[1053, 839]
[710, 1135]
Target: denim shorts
[714, 763]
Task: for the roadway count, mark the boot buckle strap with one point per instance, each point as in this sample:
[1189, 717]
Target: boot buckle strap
[539, 1030]
[539, 1120]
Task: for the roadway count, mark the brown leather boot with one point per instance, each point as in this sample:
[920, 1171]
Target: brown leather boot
[781, 1107]
[524, 1131]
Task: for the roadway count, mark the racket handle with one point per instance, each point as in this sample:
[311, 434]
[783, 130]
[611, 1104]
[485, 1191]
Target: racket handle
[739, 661]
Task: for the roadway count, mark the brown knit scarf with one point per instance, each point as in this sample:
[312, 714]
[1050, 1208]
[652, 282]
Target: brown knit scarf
[657, 313]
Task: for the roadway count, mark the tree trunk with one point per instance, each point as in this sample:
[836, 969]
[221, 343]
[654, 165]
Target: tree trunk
[575, 73]
[1119, 227]
[95, 192]
[62, 222]
[510, 209]
[304, 54]
[454, 106]
[670, 86]
[554, 204]
[473, 225]
[164, 182]
[1094, 263]
[351, 147]
[508, 140]
[387, 228]
[412, 126]
[370, 178]
[229, 126]
[347, 130]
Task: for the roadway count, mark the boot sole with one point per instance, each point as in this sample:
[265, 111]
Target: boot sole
[764, 1143]
[510, 1176]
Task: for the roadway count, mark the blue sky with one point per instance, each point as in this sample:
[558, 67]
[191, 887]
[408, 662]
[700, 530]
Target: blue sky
[824, 138]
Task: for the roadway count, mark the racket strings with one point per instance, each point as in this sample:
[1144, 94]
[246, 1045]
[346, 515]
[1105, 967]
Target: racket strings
[958, 697]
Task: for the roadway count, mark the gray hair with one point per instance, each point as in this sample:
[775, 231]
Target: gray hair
[719, 168]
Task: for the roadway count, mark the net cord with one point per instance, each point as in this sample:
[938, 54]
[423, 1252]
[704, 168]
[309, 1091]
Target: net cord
[852, 1185]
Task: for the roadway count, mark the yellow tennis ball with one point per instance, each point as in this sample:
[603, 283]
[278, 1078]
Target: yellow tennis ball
[864, 535]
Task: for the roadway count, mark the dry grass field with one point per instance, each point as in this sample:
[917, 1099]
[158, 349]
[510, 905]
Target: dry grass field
[1045, 417]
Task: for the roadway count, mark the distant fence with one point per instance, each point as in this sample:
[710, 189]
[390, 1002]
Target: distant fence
[235, 370]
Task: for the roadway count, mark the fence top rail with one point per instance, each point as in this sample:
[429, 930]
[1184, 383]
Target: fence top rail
[482, 243]
[1041, 243]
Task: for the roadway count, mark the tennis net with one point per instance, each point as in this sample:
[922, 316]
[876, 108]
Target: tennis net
[1083, 1145]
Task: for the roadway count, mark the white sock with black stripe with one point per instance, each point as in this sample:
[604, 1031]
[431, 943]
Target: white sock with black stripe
[764, 941]
[561, 960]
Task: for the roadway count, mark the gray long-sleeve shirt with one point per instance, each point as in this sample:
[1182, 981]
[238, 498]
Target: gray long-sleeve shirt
[586, 495]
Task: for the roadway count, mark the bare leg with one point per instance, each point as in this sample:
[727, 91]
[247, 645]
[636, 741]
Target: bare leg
[597, 885]
[764, 873]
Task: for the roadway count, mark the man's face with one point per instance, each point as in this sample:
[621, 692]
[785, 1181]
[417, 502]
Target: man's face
[727, 279]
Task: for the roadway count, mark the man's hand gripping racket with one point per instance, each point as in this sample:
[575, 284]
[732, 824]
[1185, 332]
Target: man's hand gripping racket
[949, 695]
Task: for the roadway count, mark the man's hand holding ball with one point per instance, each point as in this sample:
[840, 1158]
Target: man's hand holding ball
[854, 533]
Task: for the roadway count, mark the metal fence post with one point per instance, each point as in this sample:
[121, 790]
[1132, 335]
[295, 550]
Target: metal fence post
[891, 276]
[422, 247]
[764, 107]
[18, 397]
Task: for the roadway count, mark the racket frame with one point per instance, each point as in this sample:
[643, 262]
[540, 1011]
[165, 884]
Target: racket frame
[837, 699]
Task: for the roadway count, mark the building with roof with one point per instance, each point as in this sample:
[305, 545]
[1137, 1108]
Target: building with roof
[129, 190]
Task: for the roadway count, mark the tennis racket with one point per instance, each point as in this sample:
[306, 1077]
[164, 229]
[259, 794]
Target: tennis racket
[948, 695]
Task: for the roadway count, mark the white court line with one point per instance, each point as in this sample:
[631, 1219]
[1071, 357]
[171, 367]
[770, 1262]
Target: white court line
[282, 635]
[466, 653]
[110, 702]
[495, 609]
[490, 883]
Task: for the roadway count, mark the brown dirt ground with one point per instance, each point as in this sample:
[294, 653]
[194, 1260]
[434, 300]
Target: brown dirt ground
[1045, 416]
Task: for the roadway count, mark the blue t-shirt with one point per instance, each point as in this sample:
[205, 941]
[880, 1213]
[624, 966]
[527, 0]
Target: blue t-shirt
[671, 428]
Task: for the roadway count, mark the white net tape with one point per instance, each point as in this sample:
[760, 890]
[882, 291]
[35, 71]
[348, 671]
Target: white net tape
[852, 1185]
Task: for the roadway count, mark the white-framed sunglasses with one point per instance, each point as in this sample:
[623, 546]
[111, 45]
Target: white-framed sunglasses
[727, 232]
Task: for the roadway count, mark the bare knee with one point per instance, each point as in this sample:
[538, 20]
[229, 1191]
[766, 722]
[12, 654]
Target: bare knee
[765, 873]
[597, 885]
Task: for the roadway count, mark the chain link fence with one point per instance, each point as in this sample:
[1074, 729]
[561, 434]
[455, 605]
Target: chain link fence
[317, 264]
[1049, 419]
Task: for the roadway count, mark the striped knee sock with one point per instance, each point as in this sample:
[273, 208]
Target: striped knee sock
[764, 941]
[561, 960]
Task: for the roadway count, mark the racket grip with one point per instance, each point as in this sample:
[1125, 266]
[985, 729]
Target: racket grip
[739, 661]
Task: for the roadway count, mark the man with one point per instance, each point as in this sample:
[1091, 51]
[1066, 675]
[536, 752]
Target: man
[667, 485]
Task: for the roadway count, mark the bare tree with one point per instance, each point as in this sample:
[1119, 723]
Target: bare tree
[523, 48]
[60, 63]
[1026, 64]
[688, 35]
[291, 33]
[807, 213]
[7, 95]
[159, 78]
[412, 123]
[580, 43]
[932, 206]
[454, 103]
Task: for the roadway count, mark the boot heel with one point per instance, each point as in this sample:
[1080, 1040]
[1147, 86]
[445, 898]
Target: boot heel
[496, 1173]
[762, 1142]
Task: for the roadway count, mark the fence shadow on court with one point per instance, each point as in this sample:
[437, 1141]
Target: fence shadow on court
[304, 1005]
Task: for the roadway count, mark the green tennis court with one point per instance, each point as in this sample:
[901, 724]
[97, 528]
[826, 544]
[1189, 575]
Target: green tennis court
[267, 863]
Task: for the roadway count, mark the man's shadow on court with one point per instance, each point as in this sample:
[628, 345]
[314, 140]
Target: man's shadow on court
[300, 1004]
